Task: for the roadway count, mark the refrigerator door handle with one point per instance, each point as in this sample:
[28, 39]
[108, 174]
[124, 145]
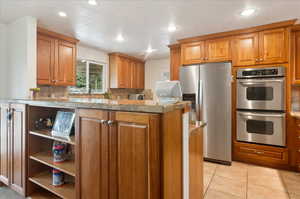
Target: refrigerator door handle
[199, 104]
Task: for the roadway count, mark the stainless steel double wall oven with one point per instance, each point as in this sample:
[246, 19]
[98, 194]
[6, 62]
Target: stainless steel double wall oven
[261, 106]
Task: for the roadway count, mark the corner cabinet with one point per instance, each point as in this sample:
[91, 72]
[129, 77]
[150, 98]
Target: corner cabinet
[12, 147]
[107, 143]
[126, 71]
[56, 59]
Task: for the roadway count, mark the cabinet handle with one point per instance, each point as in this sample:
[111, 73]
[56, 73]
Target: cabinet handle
[261, 59]
[110, 122]
[259, 152]
[257, 59]
[299, 150]
[299, 137]
[103, 121]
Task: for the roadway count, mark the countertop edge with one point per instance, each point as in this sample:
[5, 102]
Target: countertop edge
[155, 108]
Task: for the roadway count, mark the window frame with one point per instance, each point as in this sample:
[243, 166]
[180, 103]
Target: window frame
[87, 68]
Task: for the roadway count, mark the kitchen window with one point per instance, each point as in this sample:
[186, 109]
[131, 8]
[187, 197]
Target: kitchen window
[90, 78]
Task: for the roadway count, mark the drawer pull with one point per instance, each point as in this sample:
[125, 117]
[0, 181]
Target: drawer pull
[259, 152]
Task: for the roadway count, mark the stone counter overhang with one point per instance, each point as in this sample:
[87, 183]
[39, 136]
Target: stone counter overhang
[146, 106]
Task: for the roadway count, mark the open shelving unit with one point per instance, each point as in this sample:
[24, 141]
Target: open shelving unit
[40, 159]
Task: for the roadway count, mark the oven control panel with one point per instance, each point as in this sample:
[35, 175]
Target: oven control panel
[261, 72]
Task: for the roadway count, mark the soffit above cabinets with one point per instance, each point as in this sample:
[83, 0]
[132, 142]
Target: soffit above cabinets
[145, 22]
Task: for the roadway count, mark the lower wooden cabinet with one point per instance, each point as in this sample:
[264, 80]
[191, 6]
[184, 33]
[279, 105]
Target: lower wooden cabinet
[12, 146]
[117, 155]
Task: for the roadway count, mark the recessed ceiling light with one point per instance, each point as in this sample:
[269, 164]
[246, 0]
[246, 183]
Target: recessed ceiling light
[248, 12]
[150, 50]
[92, 2]
[62, 14]
[120, 38]
[172, 28]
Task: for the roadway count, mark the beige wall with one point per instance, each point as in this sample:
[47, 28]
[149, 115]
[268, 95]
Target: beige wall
[154, 70]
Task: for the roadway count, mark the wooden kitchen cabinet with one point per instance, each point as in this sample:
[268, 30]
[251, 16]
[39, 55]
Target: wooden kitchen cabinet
[126, 71]
[13, 151]
[4, 145]
[109, 142]
[45, 59]
[273, 46]
[245, 50]
[296, 57]
[175, 61]
[265, 47]
[92, 154]
[217, 50]
[138, 75]
[192, 53]
[56, 59]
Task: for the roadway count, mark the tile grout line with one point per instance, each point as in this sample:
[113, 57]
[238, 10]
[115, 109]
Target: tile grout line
[210, 181]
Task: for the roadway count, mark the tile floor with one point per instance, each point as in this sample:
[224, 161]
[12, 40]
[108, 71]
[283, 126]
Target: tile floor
[244, 181]
[239, 181]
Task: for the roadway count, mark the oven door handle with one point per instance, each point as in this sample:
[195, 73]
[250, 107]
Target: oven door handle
[260, 82]
[261, 115]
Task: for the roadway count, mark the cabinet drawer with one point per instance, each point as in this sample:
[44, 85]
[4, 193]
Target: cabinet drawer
[264, 153]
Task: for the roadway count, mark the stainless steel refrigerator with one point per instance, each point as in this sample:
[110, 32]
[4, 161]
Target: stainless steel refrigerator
[208, 86]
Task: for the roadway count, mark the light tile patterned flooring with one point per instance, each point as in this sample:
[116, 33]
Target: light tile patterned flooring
[244, 181]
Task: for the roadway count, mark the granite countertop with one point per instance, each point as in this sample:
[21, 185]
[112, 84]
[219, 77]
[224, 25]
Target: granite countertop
[147, 106]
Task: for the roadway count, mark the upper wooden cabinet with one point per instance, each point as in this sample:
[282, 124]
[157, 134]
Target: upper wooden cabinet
[175, 59]
[192, 53]
[218, 50]
[266, 44]
[126, 71]
[56, 59]
[245, 49]
[205, 51]
[273, 46]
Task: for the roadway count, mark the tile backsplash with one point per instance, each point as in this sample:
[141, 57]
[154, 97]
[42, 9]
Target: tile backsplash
[62, 92]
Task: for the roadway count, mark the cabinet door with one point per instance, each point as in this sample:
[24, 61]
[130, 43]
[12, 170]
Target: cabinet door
[218, 50]
[192, 53]
[245, 50]
[45, 59]
[92, 154]
[134, 163]
[133, 148]
[296, 64]
[273, 46]
[134, 75]
[175, 56]
[138, 75]
[124, 73]
[141, 75]
[4, 144]
[17, 148]
[65, 67]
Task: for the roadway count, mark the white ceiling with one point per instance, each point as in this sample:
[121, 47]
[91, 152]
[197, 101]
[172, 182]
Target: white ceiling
[145, 22]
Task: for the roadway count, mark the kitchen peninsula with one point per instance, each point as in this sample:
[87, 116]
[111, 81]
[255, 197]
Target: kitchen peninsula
[120, 149]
